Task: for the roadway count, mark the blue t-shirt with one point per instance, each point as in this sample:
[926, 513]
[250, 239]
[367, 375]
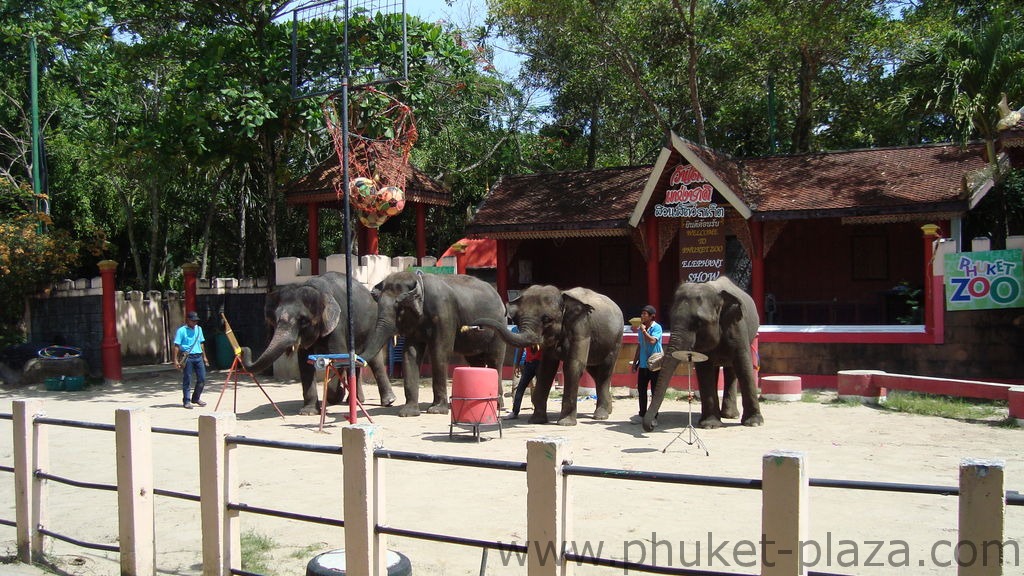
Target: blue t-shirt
[189, 340]
[646, 348]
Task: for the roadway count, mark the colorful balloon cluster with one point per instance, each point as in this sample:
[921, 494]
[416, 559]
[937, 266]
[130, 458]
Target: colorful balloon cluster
[375, 206]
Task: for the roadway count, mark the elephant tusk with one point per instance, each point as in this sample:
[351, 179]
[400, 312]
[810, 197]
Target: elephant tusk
[469, 328]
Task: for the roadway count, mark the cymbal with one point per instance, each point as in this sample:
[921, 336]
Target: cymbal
[689, 356]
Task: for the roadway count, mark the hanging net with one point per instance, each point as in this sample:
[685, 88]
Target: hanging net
[381, 135]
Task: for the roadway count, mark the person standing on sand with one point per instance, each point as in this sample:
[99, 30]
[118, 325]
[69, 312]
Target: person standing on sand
[191, 357]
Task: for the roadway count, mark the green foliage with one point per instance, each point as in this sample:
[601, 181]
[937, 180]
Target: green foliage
[256, 552]
[944, 406]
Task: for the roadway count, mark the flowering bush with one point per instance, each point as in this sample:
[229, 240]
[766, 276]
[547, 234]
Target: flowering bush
[29, 257]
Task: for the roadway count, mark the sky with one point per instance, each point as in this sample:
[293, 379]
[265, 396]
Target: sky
[463, 13]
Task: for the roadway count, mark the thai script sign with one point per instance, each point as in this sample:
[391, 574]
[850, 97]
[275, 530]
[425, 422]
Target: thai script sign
[984, 280]
[690, 198]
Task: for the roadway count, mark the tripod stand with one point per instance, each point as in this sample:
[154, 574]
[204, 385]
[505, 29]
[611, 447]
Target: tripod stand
[691, 432]
[238, 367]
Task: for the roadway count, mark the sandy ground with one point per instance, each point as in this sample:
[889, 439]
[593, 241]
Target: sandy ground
[869, 532]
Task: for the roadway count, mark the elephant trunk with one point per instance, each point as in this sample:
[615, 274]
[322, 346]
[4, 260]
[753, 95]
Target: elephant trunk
[523, 339]
[382, 331]
[282, 341]
[678, 341]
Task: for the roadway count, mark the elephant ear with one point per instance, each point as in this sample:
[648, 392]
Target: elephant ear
[512, 308]
[377, 290]
[270, 307]
[330, 316]
[732, 309]
[573, 309]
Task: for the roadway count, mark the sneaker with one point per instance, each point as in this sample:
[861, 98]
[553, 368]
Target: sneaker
[199, 403]
[511, 416]
[187, 405]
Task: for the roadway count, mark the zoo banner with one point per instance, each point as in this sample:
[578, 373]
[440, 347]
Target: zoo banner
[984, 280]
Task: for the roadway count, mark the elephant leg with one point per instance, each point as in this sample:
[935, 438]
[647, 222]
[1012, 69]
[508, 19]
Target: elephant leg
[541, 390]
[380, 374]
[571, 370]
[310, 403]
[602, 376]
[411, 378]
[707, 381]
[439, 380]
[729, 409]
[748, 388]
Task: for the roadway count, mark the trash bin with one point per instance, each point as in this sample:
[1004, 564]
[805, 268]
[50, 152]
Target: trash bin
[224, 353]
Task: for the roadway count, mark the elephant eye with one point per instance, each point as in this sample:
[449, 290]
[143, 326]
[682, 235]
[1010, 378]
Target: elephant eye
[546, 319]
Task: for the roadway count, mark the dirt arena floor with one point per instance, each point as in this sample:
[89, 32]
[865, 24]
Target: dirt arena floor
[869, 532]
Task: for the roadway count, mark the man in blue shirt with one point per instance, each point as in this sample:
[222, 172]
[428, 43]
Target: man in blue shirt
[648, 342]
[192, 357]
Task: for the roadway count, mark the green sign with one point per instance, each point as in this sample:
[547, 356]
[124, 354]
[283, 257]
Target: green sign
[984, 280]
[433, 269]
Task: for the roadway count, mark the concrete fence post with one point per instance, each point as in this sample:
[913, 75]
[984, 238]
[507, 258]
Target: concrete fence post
[135, 502]
[217, 487]
[548, 507]
[364, 500]
[784, 513]
[31, 453]
[979, 548]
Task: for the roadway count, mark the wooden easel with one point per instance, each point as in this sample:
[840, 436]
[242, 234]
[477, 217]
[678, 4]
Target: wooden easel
[238, 367]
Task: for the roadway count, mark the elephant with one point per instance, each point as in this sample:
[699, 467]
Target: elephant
[311, 318]
[719, 320]
[579, 328]
[431, 311]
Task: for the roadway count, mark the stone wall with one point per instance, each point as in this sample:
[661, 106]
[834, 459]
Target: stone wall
[70, 312]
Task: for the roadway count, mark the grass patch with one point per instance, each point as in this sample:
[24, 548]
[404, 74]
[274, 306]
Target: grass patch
[308, 551]
[256, 549]
[944, 406]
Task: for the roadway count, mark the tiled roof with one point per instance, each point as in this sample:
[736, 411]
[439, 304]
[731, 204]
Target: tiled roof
[318, 186]
[872, 182]
[860, 182]
[575, 203]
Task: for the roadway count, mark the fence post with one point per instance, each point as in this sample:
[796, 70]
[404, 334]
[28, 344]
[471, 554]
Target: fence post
[784, 513]
[221, 540]
[979, 549]
[135, 501]
[363, 491]
[548, 507]
[31, 453]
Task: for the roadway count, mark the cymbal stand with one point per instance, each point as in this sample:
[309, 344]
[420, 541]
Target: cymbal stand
[690, 432]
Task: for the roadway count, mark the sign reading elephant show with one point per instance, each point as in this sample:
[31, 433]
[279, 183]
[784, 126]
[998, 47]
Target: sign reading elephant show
[690, 198]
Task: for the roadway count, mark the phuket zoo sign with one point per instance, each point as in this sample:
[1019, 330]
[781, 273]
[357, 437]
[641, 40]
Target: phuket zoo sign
[689, 198]
[984, 280]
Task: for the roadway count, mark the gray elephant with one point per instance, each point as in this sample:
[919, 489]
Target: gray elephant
[719, 320]
[311, 318]
[578, 328]
[430, 311]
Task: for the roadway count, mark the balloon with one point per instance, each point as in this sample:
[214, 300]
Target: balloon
[361, 191]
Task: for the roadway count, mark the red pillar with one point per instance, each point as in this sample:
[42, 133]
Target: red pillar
[502, 279]
[757, 265]
[312, 241]
[934, 305]
[190, 271]
[421, 230]
[372, 241]
[653, 277]
[110, 348]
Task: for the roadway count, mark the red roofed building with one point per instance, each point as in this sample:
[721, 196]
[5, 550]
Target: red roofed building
[820, 241]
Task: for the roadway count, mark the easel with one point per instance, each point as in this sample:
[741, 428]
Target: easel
[238, 367]
[691, 432]
[328, 363]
